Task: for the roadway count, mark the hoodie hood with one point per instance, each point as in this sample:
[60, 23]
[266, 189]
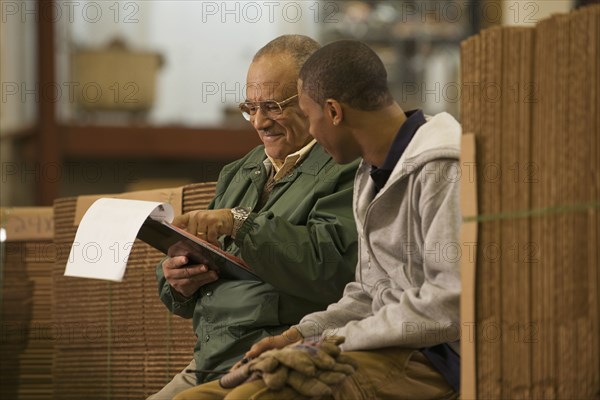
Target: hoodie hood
[438, 138]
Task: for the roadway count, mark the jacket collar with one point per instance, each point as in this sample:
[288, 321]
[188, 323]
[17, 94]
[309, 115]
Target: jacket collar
[312, 164]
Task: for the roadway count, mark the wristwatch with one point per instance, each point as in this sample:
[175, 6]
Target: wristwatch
[240, 214]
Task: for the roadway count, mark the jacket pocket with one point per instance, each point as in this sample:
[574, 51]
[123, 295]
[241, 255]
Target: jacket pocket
[262, 315]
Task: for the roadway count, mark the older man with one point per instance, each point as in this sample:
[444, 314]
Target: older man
[285, 208]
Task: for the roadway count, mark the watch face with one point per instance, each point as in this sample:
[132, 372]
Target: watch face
[239, 215]
[241, 212]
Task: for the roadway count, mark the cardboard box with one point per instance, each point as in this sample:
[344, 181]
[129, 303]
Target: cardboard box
[118, 340]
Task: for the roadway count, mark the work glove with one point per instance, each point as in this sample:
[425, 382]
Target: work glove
[308, 368]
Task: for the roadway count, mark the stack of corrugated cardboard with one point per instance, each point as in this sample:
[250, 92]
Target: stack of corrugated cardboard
[531, 96]
[119, 340]
[27, 337]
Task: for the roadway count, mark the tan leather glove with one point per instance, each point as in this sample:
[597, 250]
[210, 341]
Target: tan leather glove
[310, 369]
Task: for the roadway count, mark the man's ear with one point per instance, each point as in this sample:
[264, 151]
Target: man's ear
[334, 110]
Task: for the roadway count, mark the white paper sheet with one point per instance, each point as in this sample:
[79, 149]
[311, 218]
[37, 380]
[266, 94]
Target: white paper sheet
[106, 234]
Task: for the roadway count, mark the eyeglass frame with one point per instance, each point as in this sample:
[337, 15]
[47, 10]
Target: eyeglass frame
[281, 104]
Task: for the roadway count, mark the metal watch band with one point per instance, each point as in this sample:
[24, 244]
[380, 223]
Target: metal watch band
[240, 214]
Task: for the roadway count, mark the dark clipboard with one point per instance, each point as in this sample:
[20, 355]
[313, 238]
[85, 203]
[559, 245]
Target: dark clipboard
[174, 241]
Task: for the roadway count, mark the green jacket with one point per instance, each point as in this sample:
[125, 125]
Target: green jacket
[303, 243]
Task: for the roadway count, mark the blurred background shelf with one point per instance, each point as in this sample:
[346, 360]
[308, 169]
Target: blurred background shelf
[418, 41]
[186, 88]
[176, 142]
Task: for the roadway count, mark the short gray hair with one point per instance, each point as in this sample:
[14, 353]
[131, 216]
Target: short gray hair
[299, 47]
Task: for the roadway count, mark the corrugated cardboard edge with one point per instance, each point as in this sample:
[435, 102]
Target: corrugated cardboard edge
[173, 196]
[28, 223]
[468, 240]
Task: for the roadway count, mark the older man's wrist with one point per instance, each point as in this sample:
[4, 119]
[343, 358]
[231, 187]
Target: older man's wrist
[240, 215]
[179, 297]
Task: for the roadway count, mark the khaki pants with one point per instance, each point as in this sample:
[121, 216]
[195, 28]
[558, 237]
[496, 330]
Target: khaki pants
[392, 373]
[178, 384]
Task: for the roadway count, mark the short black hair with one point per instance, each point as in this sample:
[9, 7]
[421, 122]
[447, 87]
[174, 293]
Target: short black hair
[299, 47]
[348, 71]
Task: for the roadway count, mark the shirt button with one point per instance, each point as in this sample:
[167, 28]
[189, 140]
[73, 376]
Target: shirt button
[207, 338]
[209, 293]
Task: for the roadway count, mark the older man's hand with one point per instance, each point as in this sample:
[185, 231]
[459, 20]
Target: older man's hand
[207, 224]
[186, 279]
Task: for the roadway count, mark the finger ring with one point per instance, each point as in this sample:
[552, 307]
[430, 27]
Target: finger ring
[200, 233]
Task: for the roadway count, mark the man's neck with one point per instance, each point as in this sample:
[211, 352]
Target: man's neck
[294, 157]
[376, 131]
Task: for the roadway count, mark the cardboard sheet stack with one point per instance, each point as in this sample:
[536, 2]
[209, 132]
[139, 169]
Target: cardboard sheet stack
[118, 340]
[531, 96]
[27, 339]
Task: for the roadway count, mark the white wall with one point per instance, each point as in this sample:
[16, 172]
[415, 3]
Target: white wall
[207, 46]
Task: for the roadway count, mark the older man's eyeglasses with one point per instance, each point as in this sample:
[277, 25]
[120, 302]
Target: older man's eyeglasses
[270, 108]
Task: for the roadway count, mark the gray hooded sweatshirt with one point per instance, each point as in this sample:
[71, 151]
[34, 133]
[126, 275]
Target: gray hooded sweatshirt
[407, 286]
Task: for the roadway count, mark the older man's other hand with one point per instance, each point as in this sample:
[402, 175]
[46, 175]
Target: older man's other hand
[186, 279]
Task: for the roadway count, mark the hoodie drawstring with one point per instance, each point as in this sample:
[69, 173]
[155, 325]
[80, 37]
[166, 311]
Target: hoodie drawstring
[409, 227]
